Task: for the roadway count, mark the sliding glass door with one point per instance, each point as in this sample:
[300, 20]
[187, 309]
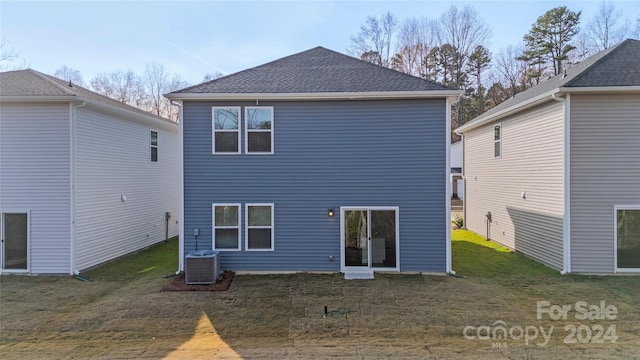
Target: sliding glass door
[370, 238]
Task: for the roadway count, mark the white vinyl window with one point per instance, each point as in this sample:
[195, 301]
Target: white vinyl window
[497, 140]
[259, 129]
[154, 146]
[259, 227]
[226, 226]
[627, 237]
[226, 130]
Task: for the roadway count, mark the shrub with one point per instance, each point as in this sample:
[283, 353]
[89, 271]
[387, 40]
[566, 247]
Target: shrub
[458, 221]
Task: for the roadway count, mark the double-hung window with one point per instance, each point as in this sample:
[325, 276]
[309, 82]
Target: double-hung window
[226, 226]
[154, 146]
[259, 227]
[259, 129]
[226, 130]
[497, 140]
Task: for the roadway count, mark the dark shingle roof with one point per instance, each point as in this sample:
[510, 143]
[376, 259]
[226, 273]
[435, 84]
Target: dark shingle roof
[317, 70]
[617, 66]
[31, 83]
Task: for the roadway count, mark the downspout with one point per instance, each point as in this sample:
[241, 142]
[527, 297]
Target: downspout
[72, 186]
[181, 184]
[449, 101]
[566, 218]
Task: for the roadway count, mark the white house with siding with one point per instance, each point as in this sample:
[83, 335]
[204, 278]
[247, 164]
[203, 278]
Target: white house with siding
[558, 167]
[83, 178]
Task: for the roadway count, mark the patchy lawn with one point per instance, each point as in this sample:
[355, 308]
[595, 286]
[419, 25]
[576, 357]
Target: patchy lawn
[122, 315]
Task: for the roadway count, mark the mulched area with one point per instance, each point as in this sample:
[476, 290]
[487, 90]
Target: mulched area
[178, 283]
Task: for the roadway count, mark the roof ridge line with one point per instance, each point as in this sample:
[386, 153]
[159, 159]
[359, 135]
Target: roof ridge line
[46, 78]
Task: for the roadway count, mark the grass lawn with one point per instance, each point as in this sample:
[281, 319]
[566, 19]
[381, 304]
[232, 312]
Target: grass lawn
[121, 314]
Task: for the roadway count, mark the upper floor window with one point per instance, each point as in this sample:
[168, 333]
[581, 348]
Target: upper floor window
[259, 130]
[154, 146]
[497, 141]
[226, 130]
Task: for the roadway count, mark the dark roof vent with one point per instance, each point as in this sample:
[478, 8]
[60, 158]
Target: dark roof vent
[70, 84]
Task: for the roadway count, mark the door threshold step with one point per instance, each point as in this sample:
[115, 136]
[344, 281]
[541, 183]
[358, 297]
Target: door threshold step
[358, 275]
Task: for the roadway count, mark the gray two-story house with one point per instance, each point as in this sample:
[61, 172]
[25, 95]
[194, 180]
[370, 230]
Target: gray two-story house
[317, 162]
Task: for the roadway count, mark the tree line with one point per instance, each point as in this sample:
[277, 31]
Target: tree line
[450, 50]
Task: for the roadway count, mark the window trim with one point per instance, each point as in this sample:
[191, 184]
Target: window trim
[214, 130]
[247, 227]
[499, 141]
[247, 130]
[616, 269]
[156, 146]
[214, 227]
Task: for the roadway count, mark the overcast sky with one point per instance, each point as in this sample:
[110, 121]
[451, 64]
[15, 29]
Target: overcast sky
[192, 38]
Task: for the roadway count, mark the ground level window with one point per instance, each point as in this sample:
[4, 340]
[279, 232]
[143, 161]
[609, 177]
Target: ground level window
[226, 226]
[259, 226]
[628, 237]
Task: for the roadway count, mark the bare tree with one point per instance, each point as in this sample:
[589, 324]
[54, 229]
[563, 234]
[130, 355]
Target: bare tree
[9, 58]
[68, 74]
[375, 36]
[212, 76]
[124, 86]
[607, 27]
[464, 30]
[157, 82]
[415, 40]
[510, 68]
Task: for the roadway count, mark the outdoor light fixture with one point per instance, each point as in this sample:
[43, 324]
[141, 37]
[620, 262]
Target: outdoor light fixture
[330, 213]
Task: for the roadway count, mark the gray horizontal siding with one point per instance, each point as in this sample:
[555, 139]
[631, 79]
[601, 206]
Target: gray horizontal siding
[35, 176]
[531, 161]
[113, 159]
[605, 171]
[327, 154]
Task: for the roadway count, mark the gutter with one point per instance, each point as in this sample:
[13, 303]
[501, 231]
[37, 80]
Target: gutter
[72, 184]
[36, 98]
[425, 94]
[508, 111]
[181, 185]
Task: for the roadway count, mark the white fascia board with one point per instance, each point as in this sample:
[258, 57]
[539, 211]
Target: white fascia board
[508, 111]
[37, 98]
[601, 89]
[427, 94]
[135, 116]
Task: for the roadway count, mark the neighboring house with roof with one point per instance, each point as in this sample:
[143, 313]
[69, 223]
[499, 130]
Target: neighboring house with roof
[83, 178]
[558, 167]
[317, 162]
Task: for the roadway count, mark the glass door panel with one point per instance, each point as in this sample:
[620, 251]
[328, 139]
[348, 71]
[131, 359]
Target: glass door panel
[15, 241]
[383, 238]
[356, 238]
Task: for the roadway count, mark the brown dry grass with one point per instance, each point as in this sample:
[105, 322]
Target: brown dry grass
[280, 316]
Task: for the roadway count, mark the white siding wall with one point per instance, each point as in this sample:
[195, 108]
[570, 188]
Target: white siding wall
[34, 175]
[605, 170]
[531, 161]
[113, 159]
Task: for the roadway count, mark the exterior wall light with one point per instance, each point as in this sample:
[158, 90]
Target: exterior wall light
[330, 213]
